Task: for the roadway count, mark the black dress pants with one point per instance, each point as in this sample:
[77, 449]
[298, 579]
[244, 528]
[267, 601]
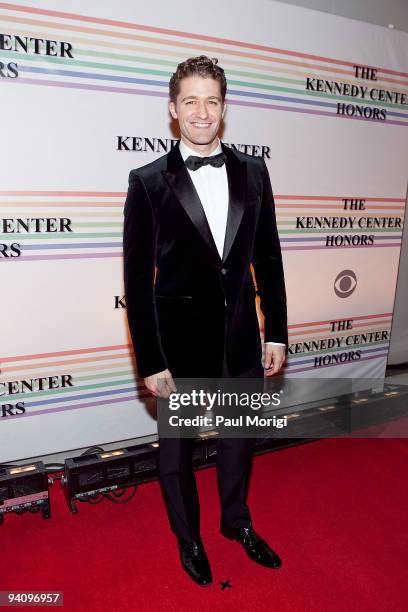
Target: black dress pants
[178, 483]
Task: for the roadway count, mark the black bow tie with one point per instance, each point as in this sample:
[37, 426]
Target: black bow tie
[194, 162]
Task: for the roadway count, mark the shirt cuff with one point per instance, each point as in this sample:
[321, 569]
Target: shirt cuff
[275, 343]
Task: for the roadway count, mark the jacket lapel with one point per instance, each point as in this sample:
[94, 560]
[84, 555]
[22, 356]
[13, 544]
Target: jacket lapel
[236, 173]
[180, 182]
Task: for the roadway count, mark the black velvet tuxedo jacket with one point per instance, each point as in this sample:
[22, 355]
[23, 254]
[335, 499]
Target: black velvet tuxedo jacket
[183, 300]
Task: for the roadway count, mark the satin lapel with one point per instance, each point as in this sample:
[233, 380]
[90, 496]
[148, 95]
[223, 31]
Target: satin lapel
[237, 174]
[180, 182]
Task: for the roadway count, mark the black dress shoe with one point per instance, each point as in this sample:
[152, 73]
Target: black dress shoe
[255, 547]
[195, 562]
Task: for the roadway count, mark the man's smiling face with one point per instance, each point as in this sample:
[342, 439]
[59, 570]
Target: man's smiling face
[199, 110]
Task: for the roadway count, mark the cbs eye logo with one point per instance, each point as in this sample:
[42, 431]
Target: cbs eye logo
[345, 283]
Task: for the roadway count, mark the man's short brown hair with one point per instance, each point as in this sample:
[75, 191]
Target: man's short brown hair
[202, 66]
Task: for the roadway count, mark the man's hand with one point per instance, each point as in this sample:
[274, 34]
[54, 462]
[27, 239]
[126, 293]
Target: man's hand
[274, 358]
[161, 384]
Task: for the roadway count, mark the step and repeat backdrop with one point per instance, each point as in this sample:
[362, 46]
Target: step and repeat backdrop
[83, 90]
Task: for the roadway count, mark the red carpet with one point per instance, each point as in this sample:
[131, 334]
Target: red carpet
[335, 510]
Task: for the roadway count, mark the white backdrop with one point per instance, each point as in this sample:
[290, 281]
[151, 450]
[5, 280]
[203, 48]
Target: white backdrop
[61, 119]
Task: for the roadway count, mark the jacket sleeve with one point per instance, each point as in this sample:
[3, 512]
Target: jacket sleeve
[268, 267]
[139, 253]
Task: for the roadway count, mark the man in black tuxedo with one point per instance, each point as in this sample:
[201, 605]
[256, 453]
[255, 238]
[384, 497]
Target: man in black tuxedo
[195, 221]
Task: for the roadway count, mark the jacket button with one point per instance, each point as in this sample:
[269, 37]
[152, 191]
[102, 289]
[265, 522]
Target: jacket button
[223, 271]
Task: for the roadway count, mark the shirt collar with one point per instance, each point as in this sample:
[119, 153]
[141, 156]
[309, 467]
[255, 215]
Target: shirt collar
[186, 151]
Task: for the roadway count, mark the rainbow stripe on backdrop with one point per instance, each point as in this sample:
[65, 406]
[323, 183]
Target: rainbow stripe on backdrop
[104, 375]
[97, 221]
[130, 58]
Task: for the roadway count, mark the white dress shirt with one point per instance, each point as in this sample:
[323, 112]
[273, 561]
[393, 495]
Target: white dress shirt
[212, 187]
[211, 184]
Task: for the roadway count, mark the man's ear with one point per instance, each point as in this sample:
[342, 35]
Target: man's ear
[172, 109]
[224, 108]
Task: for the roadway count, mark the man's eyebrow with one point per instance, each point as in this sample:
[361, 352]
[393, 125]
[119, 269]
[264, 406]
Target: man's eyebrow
[195, 98]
